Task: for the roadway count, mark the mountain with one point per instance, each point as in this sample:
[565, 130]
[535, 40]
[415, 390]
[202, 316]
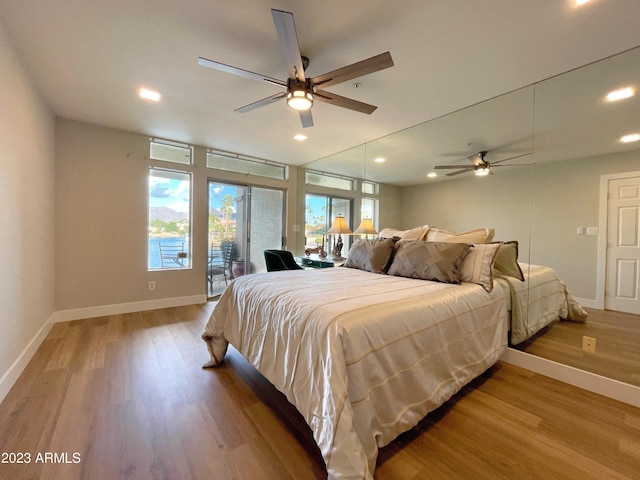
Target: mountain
[167, 214]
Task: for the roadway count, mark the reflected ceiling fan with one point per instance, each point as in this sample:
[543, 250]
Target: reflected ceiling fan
[300, 91]
[480, 166]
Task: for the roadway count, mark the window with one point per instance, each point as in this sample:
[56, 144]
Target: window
[322, 179]
[169, 219]
[368, 209]
[320, 211]
[170, 151]
[247, 165]
[369, 188]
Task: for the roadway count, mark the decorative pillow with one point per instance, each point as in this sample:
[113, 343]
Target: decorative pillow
[370, 255]
[477, 266]
[507, 261]
[429, 260]
[416, 233]
[479, 235]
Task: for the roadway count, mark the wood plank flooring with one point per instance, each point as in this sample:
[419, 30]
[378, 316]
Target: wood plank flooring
[617, 335]
[126, 395]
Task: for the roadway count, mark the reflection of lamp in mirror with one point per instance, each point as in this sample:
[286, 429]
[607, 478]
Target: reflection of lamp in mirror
[366, 228]
[338, 228]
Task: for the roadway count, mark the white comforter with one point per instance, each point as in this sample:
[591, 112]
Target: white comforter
[540, 300]
[364, 357]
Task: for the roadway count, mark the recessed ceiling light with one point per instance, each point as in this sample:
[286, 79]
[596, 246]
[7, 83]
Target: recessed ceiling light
[149, 94]
[300, 137]
[432, 174]
[632, 137]
[379, 160]
[620, 94]
[582, 2]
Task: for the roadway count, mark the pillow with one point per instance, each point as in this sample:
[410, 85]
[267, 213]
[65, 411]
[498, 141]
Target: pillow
[479, 235]
[370, 255]
[429, 260]
[416, 233]
[507, 261]
[477, 266]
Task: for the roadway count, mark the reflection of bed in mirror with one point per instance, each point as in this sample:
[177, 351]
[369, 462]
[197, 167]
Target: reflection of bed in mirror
[573, 134]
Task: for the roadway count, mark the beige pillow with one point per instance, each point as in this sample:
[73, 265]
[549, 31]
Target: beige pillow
[507, 261]
[370, 255]
[416, 233]
[479, 235]
[429, 260]
[477, 266]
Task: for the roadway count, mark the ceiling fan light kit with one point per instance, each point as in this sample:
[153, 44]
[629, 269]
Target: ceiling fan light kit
[480, 167]
[299, 96]
[302, 91]
[482, 171]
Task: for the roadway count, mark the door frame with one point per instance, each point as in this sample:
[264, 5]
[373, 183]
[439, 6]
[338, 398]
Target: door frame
[603, 225]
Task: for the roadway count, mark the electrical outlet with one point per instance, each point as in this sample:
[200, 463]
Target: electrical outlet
[152, 286]
[589, 344]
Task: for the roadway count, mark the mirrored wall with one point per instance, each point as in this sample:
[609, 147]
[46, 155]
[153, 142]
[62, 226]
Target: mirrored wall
[555, 146]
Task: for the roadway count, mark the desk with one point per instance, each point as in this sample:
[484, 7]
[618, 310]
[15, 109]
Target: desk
[315, 261]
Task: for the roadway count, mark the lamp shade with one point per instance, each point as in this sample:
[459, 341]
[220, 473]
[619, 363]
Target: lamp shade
[339, 226]
[366, 227]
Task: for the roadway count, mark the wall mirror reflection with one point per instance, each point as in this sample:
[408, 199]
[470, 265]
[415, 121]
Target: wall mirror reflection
[585, 206]
[559, 147]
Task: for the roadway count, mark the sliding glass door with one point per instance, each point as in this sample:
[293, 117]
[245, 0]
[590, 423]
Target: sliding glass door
[244, 220]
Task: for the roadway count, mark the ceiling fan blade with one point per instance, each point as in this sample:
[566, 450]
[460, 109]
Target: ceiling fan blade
[458, 172]
[511, 158]
[358, 69]
[240, 72]
[286, 28]
[261, 103]
[466, 167]
[306, 118]
[344, 102]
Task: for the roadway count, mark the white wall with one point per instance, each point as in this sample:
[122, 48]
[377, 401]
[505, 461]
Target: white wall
[565, 196]
[541, 207]
[27, 271]
[500, 201]
[102, 220]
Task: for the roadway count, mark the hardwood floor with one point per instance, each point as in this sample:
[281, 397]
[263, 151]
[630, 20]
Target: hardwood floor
[617, 354]
[124, 397]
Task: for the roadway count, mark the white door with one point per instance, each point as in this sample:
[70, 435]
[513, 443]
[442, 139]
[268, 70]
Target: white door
[622, 291]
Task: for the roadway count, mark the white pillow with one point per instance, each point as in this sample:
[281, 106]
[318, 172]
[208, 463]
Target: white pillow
[416, 233]
[479, 235]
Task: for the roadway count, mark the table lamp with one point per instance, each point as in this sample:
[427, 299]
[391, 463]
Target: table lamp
[338, 228]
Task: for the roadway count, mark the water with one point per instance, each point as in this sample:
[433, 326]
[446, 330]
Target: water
[154, 250]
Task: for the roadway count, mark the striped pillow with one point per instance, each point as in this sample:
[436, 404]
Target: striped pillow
[477, 266]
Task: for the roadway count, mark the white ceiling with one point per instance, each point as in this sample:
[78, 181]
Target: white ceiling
[89, 57]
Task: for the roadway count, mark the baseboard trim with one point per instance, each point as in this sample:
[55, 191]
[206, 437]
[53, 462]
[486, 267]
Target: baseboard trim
[11, 375]
[120, 308]
[588, 302]
[614, 389]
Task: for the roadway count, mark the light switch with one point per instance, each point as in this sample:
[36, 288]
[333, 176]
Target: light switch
[592, 230]
[581, 231]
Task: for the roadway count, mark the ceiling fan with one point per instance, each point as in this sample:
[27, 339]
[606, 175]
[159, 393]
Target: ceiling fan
[300, 91]
[480, 167]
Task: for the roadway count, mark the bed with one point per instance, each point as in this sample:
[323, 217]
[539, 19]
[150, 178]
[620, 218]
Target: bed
[363, 356]
[364, 353]
[536, 301]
